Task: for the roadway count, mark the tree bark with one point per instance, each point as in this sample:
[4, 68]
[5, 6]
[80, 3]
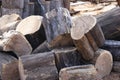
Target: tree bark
[79, 72]
[109, 23]
[67, 57]
[57, 27]
[38, 64]
[113, 46]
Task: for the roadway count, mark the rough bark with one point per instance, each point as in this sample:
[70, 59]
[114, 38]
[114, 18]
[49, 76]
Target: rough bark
[109, 23]
[116, 66]
[44, 47]
[84, 72]
[57, 25]
[66, 57]
[39, 64]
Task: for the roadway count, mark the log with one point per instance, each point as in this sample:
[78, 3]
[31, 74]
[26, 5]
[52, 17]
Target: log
[80, 40]
[84, 72]
[40, 66]
[113, 46]
[118, 1]
[109, 23]
[16, 42]
[44, 47]
[57, 26]
[31, 28]
[66, 57]
[103, 62]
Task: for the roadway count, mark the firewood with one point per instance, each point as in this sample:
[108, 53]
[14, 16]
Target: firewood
[44, 47]
[30, 27]
[113, 46]
[80, 40]
[66, 57]
[103, 63]
[16, 42]
[57, 27]
[83, 72]
[109, 23]
[38, 64]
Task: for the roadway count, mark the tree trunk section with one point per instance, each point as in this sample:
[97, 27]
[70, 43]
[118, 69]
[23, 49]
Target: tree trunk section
[66, 57]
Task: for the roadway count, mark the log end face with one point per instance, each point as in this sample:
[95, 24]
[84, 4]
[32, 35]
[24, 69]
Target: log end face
[104, 63]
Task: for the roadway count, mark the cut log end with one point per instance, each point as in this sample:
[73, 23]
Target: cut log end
[103, 63]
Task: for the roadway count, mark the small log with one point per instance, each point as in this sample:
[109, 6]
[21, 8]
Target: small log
[57, 25]
[30, 27]
[78, 32]
[84, 72]
[113, 46]
[16, 42]
[44, 47]
[66, 57]
[98, 35]
[40, 66]
[103, 63]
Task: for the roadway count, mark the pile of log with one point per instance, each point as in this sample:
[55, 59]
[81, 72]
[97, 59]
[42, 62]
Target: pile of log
[56, 45]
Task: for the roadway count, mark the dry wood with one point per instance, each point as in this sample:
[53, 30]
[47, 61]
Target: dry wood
[84, 72]
[16, 42]
[114, 47]
[39, 64]
[103, 63]
[109, 23]
[66, 57]
[57, 27]
[30, 27]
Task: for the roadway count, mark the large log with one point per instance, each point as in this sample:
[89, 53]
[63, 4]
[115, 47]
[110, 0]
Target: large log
[81, 28]
[31, 28]
[109, 23]
[103, 62]
[57, 26]
[67, 57]
[16, 42]
[40, 66]
[113, 46]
